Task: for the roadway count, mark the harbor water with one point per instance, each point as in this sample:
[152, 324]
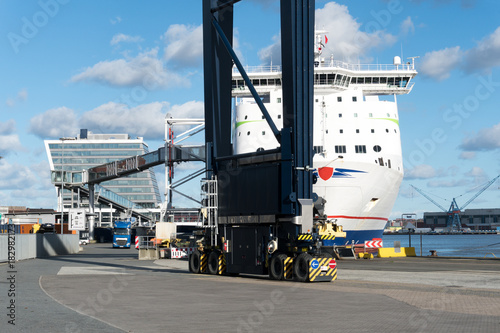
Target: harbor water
[461, 245]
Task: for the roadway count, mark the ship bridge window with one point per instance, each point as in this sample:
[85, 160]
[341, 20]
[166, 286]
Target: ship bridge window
[360, 149]
[361, 80]
[390, 81]
[340, 149]
[375, 80]
[330, 78]
[368, 80]
[383, 80]
[256, 82]
[318, 149]
[404, 81]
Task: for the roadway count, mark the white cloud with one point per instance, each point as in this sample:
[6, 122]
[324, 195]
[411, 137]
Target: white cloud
[486, 139]
[422, 171]
[479, 178]
[481, 58]
[407, 26]
[144, 70]
[7, 127]
[348, 40]
[485, 55]
[9, 143]
[16, 176]
[467, 155]
[21, 96]
[146, 120]
[54, 123]
[119, 38]
[115, 20]
[448, 183]
[192, 109]
[439, 64]
[184, 45]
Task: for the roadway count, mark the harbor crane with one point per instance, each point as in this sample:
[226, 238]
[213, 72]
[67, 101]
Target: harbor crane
[453, 223]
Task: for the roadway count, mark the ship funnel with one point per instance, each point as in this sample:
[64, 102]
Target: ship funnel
[397, 61]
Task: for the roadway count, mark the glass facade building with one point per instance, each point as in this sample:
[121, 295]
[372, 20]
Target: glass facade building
[88, 150]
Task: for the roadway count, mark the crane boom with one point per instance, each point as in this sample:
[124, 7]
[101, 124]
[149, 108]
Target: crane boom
[429, 198]
[480, 191]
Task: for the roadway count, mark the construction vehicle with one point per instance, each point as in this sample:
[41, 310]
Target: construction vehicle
[259, 207]
[281, 249]
[121, 233]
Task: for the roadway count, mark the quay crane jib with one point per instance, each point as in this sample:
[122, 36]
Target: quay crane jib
[453, 222]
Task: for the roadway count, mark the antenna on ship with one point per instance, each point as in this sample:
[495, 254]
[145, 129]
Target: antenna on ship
[413, 61]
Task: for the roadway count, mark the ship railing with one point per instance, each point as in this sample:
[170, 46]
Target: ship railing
[334, 64]
[366, 67]
[259, 69]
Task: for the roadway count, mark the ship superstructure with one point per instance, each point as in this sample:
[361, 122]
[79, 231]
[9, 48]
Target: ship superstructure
[358, 159]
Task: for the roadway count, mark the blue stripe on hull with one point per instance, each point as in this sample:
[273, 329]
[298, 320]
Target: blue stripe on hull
[359, 237]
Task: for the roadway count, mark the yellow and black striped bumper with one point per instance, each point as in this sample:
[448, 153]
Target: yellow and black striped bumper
[304, 237]
[320, 270]
[221, 267]
[327, 237]
[203, 263]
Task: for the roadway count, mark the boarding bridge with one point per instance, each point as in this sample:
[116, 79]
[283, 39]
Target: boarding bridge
[87, 181]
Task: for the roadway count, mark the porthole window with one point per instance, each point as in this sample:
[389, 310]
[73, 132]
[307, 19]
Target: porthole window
[246, 117]
[377, 148]
[248, 133]
[387, 130]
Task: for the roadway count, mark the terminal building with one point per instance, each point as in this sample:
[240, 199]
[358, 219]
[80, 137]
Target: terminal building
[89, 149]
[475, 219]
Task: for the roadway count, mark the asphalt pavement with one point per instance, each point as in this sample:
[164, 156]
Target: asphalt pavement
[102, 289]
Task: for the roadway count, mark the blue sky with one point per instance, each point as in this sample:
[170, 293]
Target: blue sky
[120, 66]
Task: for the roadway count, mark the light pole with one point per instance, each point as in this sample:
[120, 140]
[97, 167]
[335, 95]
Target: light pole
[62, 179]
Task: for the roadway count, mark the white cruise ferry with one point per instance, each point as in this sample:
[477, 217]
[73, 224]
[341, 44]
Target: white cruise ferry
[357, 143]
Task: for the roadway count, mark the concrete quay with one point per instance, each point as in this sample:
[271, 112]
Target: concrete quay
[102, 289]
